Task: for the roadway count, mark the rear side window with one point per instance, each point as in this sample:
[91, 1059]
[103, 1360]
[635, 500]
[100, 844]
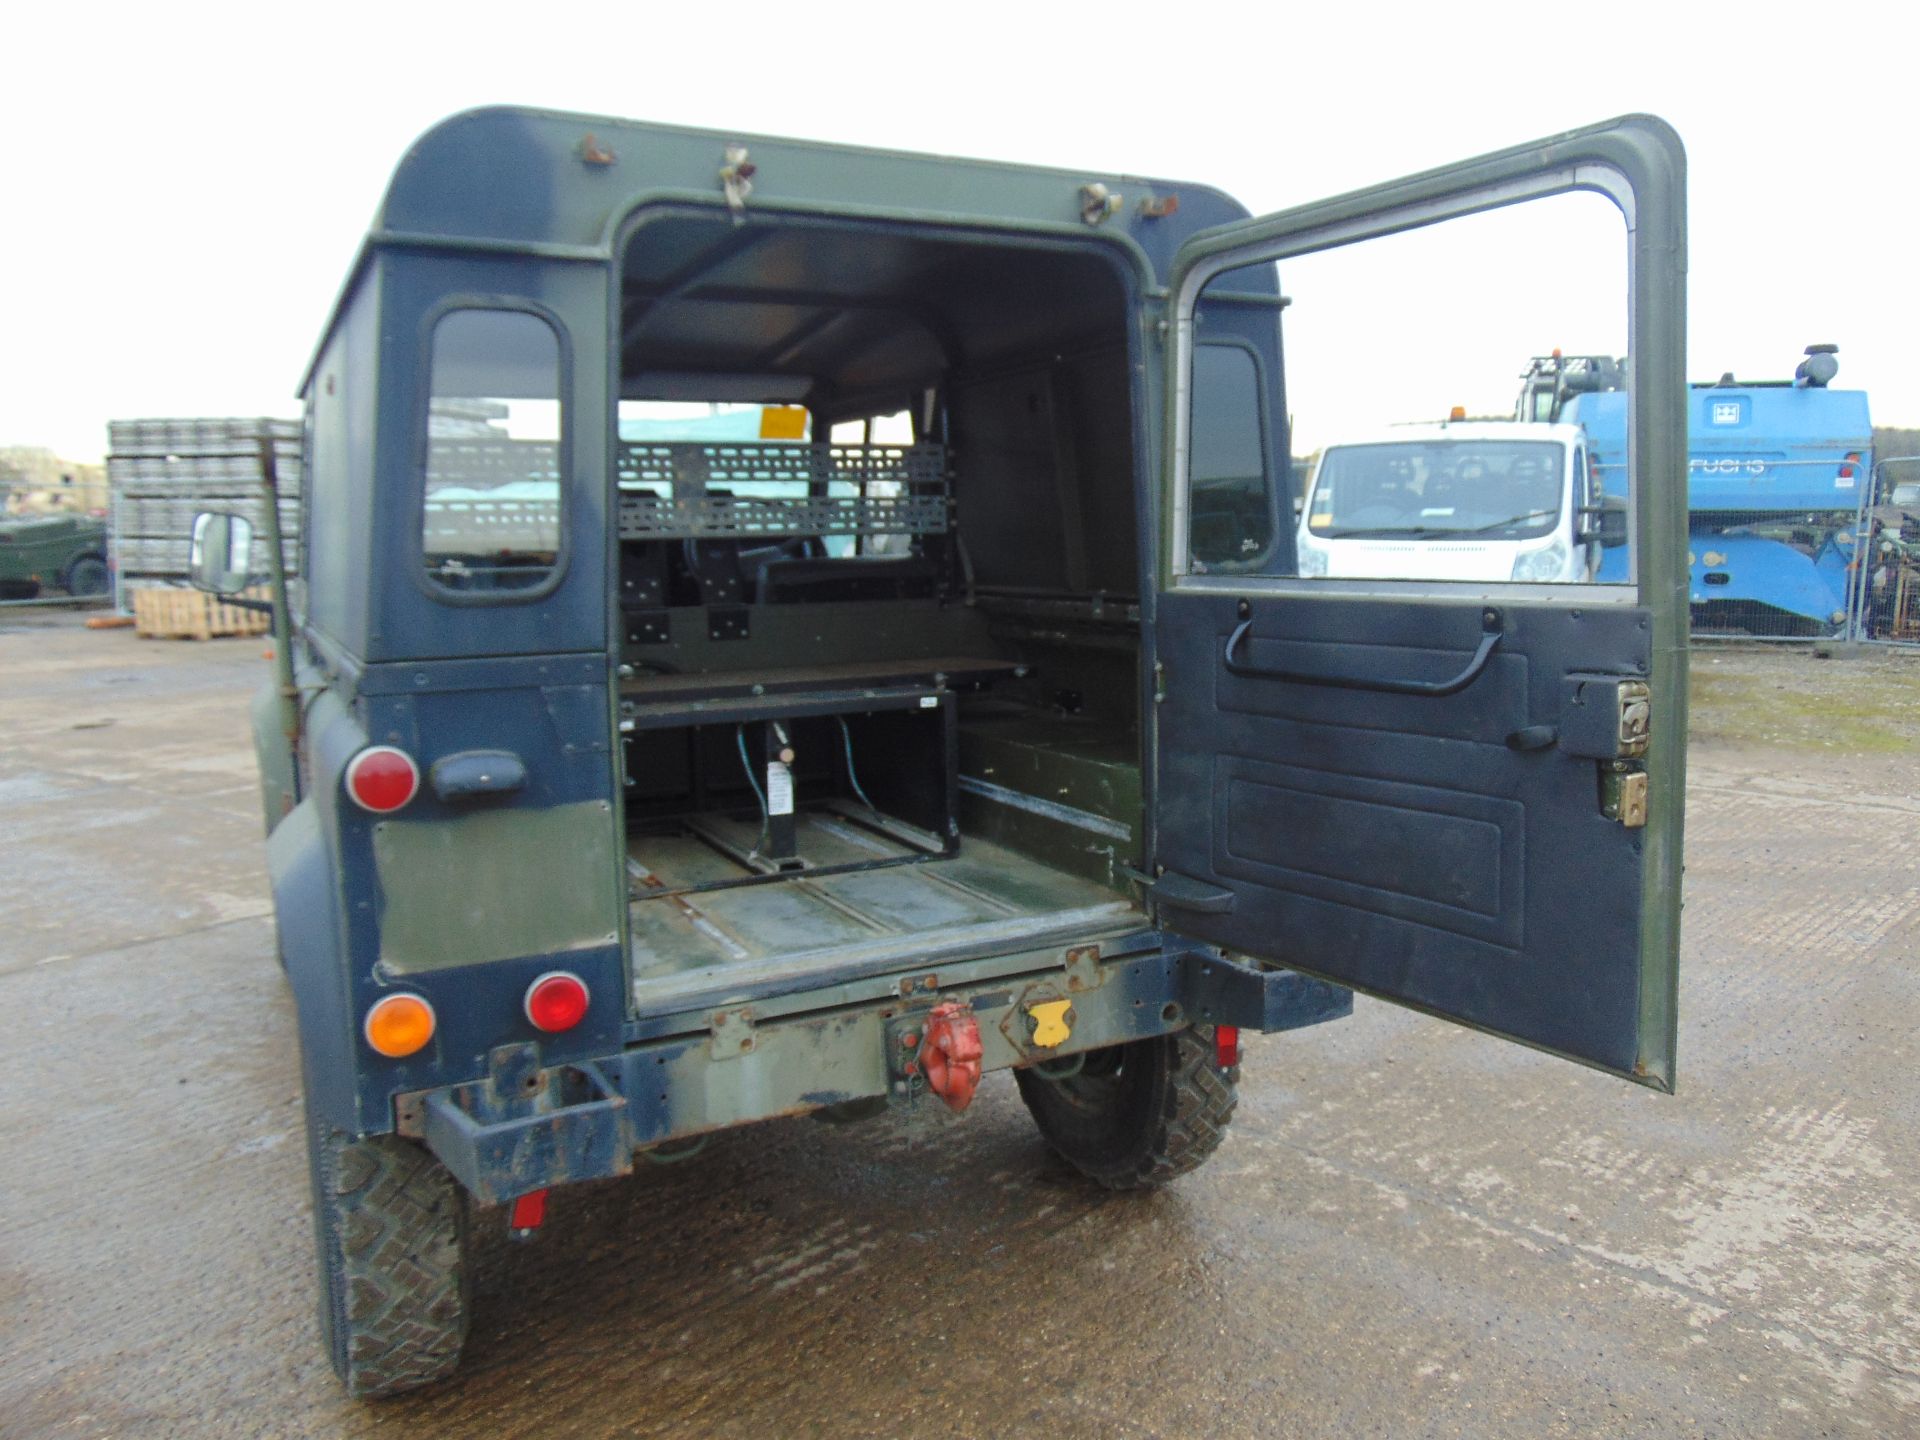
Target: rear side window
[491, 523]
[1232, 514]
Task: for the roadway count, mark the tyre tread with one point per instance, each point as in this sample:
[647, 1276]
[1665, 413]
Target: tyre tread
[1153, 1135]
[1196, 1108]
[394, 1287]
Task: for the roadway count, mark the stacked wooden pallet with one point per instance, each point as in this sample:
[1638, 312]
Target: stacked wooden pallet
[162, 612]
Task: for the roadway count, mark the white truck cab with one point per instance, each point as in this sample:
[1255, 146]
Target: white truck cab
[1495, 500]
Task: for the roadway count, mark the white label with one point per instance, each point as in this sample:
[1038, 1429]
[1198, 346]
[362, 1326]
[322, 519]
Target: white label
[1843, 482]
[779, 788]
[1726, 412]
[929, 702]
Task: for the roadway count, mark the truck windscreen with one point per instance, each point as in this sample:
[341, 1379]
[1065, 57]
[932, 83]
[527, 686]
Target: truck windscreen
[1497, 489]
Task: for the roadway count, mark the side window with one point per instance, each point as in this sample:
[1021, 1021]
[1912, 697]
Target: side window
[491, 521]
[1232, 516]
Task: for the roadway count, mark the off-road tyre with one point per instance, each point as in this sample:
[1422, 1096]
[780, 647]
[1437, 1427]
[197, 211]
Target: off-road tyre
[390, 1227]
[86, 575]
[1137, 1115]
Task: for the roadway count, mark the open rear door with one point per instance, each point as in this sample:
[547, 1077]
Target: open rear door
[1403, 735]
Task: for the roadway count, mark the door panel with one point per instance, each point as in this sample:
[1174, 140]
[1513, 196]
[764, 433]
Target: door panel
[1399, 843]
[1453, 779]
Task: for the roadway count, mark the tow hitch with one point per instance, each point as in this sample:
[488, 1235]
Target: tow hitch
[950, 1054]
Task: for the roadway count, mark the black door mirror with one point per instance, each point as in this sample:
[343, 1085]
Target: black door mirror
[1605, 522]
[221, 558]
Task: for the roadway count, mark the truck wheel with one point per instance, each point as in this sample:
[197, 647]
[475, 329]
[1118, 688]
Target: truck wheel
[1137, 1115]
[391, 1232]
[86, 576]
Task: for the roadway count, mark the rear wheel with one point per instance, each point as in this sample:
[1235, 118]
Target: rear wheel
[391, 1233]
[86, 576]
[1137, 1115]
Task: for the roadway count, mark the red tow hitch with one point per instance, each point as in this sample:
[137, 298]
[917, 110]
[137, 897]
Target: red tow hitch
[950, 1054]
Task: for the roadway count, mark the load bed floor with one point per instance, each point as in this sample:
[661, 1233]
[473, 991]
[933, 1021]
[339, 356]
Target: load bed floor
[984, 900]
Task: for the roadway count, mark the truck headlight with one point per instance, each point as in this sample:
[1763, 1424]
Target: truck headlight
[1548, 563]
[1312, 559]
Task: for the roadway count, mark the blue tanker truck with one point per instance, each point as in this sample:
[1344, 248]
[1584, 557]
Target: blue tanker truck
[1776, 473]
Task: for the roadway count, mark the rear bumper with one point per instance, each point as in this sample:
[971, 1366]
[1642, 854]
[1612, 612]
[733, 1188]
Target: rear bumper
[529, 1126]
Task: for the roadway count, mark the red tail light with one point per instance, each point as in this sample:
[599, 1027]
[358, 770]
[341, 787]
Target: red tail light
[557, 1001]
[1846, 469]
[382, 779]
[1226, 1046]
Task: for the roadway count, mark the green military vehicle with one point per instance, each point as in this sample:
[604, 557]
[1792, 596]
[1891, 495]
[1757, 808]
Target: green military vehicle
[61, 551]
[791, 629]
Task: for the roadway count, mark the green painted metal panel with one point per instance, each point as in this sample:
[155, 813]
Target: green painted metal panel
[496, 885]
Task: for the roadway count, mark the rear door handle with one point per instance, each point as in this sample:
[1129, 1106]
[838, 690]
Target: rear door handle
[1452, 686]
[474, 774]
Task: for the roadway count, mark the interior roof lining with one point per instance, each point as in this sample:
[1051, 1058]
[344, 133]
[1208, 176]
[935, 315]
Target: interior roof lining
[947, 286]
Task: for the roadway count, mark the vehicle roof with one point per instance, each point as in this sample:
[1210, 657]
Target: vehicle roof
[545, 182]
[539, 187]
[1426, 433]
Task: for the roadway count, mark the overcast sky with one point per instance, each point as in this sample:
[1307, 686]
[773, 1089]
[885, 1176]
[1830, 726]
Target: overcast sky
[185, 185]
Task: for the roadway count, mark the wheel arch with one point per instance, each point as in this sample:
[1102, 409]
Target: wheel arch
[312, 944]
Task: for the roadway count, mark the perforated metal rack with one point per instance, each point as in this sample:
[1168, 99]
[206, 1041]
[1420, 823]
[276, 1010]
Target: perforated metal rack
[668, 491]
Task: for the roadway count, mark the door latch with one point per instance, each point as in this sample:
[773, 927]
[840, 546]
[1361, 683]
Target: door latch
[1606, 717]
[1623, 795]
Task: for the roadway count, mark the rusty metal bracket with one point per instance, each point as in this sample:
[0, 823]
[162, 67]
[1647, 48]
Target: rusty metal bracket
[1219, 991]
[410, 1114]
[514, 1073]
[499, 1153]
[732, 1034]
[1083, 969]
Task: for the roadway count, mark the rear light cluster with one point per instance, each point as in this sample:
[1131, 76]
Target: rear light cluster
[556, 1001]
[399, 1025]
[1846, 467]
[402, 1024]
[382, 779]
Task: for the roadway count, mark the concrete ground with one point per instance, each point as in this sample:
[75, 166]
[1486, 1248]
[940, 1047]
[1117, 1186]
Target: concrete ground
[1412, 1230]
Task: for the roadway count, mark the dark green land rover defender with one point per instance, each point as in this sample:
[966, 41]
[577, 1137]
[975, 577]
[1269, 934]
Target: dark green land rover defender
[787, 628]
[41, 553]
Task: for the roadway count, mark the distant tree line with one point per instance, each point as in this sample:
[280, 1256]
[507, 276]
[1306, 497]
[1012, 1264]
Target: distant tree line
[1889, 441]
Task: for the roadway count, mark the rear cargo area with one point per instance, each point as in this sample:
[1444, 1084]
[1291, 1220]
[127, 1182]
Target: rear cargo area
[702, 915]
[877, 506]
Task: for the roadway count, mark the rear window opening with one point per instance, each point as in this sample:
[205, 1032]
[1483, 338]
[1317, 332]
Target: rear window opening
[879, 562]
[492, 493]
